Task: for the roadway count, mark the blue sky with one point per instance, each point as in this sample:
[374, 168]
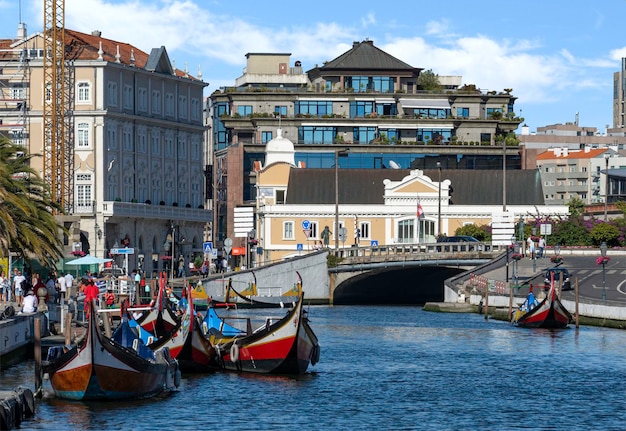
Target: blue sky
[557, 56]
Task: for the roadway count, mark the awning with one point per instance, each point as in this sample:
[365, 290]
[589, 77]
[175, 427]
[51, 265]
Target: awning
[425, 103]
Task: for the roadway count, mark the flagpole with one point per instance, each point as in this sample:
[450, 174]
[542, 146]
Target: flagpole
[417, 213]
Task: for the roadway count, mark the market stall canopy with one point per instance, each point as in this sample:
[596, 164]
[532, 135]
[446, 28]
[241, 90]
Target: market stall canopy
[88, 260]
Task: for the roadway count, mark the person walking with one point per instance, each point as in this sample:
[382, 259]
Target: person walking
[62, 287]
[18, 281]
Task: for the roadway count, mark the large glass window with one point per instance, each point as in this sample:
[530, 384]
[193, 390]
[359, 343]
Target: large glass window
[112, 93]
[405, 231]
[361, 108]
[244, 110]
[360, 84]
[432, 112]
[364, 135]
[436, 136]
[266, 137]
[313, 107]
[316, 135]
[462, 112]
[280, 110]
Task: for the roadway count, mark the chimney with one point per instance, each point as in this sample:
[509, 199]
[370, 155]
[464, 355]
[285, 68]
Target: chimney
[96, 33]
[21, 31]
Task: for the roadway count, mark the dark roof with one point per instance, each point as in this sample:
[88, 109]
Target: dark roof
[364, 55]
[365, 186]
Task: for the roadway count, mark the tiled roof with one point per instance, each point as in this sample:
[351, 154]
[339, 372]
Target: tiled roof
[365, 186]
[572, 154]
[364, 55]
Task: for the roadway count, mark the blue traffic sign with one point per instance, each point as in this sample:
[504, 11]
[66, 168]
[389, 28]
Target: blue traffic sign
[306, 225]
[122, 251]
[374, 243]
[207, 247]
[300, 247]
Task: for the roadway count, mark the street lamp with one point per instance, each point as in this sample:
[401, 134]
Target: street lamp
[439, 204]
[338, 153]
[603, 248]
[606, 186]
[557, 250]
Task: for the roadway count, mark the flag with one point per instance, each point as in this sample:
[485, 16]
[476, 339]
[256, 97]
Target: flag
[420, 210]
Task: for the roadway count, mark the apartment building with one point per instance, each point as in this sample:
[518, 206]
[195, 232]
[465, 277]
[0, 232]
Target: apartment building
[135, 130]
[366, 104]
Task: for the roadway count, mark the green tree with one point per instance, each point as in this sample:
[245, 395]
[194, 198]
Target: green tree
[481, 233]
[27, 224]
[429, 81]
[570, 232]
[576, 207]
[604, 232]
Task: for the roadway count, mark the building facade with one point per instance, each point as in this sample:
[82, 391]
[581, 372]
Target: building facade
[135, 129]
[365, 101]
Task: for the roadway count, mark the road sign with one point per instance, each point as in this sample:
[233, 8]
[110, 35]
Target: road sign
[307, 232]
[207, 247]
[306, 225]
[343, 233]
[122, 251]
[299, 247]
[228, 245]
[374, 243]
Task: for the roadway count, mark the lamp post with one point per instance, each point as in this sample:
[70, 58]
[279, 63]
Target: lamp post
[603, 248]
[98, 236]
[338, 153]
[439, 204]
[606, 186]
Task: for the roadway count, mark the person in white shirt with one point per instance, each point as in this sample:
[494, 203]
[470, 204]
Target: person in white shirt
[17, 284]
[69, 282]
[30, 303]
[62, 288]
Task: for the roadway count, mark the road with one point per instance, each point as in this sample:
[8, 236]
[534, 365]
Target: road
[589, 276]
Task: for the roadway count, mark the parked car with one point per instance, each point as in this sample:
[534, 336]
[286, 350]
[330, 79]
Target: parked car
[460, 239]
[557, 271]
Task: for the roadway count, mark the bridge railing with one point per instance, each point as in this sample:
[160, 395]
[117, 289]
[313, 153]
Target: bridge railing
[424, 248]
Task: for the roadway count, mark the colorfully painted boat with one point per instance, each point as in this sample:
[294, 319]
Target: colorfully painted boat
[250, 297]
[549, 313]
[284, 345]
[101, 368]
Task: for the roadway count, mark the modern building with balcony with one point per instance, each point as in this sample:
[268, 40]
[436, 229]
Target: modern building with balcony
[135, 130]
[365, 101]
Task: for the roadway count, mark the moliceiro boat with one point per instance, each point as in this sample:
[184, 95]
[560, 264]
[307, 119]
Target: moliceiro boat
[101, 368]
[549, 313]
[284, 345]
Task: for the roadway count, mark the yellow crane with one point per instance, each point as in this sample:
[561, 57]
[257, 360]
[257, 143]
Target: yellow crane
[58, 157]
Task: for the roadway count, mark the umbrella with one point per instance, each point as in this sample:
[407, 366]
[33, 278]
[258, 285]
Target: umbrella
[88, 260]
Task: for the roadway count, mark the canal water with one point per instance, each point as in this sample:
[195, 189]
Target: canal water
[391, 368]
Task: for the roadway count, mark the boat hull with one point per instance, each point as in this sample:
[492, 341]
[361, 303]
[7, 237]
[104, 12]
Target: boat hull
[549, 313]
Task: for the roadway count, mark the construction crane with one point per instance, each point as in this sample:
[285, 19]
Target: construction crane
[58, 157]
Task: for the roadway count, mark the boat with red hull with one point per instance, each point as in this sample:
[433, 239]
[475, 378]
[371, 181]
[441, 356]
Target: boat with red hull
[100, 368]
[284, 345]
[549, 313]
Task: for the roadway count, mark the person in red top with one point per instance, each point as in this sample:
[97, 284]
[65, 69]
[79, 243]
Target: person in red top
[91, 293]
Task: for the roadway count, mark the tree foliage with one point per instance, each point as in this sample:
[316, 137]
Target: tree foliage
[429, 81]
[604, 232]
[576, 207]
[481, 233]
[27, 224]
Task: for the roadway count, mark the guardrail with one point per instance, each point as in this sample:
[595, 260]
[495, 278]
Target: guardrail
[431, 249]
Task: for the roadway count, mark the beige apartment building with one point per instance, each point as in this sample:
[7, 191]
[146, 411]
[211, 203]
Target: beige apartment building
[134, 129]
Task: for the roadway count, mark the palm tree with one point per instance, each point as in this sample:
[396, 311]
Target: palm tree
[27, 223]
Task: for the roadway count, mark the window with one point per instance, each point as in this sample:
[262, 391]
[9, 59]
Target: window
[433, 135]
[169, 104]
[82, 135]
[48, 92]
[485, 137]
[361, 84]
[244, 110]
[288, 230]
[280, 110]
[182, 107]
[156, 102]
[83, 92]
[195, 109]
[364, 135]
[84, 199]
[156, 142]
[405, 231]
[280, 196]
[362, 108]
[128, 97]
[432, 112]
[142, 100]
[316, 135]
[112, 93]
[18, 92]
[314, 230]
[313, 108]
[266, 137]
[462, 112]
[364, 232]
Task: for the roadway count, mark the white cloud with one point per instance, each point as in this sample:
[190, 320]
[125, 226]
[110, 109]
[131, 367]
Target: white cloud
[436, 28]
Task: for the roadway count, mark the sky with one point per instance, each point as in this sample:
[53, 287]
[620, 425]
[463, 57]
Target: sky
[558, 56]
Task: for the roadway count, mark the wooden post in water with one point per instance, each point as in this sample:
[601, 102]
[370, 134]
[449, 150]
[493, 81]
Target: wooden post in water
[37, 354]
[487, 300]
[68, 329]
[510, 301]
[107, 324]
[576, 300]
